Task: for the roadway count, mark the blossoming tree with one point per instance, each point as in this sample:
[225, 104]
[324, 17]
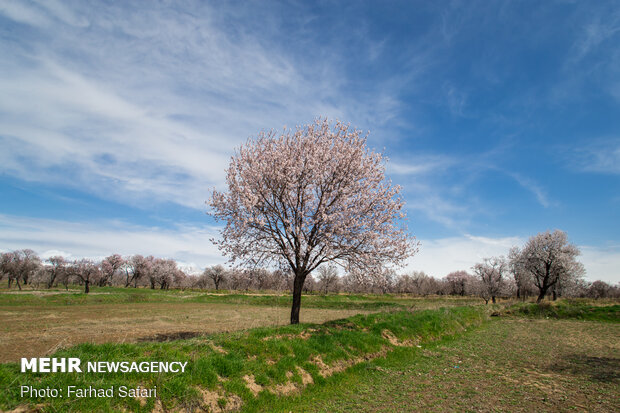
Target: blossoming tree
[549, 258]
[311, 196]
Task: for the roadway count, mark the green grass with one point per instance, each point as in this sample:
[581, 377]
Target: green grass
[218, 363]
[568, 309]
[516, 362]
[508, 364]
[116, 295]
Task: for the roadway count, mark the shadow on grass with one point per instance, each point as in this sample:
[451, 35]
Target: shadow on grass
[603, 369]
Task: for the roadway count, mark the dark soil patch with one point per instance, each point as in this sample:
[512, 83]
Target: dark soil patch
[179, 335]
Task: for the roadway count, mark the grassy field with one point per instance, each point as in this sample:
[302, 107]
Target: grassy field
[354, 353]
[111, 295]
[510, 364]
[36, 323]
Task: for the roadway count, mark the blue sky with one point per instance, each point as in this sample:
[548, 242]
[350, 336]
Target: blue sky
[500, 119]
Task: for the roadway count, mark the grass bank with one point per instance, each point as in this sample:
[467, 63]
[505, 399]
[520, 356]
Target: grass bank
[510, 364]
[567, 309]
[249, 369]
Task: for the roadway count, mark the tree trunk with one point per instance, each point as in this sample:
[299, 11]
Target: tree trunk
[541, 296]
[298, 285]
[50, 284]
[555, 295]
[86, 287]
[493, 299]
[518, 293]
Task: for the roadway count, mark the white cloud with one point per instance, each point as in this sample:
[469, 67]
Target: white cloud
[419, 164]
[147, 107]
[189, 245]
[601, 263]
[439, 257]
[22, 13]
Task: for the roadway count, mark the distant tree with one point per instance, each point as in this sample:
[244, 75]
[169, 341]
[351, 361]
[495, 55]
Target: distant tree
[28, 264]
[87, 271]
[327, 277]
[258, 277]
[180, 278]
[109, 266]
[216, 274]
[19, 266]
[456, 282]
[477, 287]
[128, 269]
[571, 283]
[7, 264]
[548, 257]
[310, 284]
[599, 289]
[491, 273]
[313, 196]
[140, 268]
[162, 272]
[417, 282]
[523, 279]
[56, 267]
[238, 280]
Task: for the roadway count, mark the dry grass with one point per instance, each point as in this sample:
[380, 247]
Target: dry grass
[31, 331]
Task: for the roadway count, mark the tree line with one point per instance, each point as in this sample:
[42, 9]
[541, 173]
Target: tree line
[544, 266]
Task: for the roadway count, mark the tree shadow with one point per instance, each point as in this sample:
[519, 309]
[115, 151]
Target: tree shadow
[602, 369]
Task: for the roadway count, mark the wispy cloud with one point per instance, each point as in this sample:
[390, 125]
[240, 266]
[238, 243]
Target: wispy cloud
[189, 244]
[420, 164]
[534, 188]
[599, 156]
[148, 106]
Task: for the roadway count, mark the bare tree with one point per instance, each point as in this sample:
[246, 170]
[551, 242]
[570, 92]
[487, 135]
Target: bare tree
[491, 273]
[28, 264]
[328, 276]
[7, 267]
[87, 272]
[217, 274]
[548, 257]
[456, 282]
[308, 197]
[19, 266]
[56, 266]
[523, 279]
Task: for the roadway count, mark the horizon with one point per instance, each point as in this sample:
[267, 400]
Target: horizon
[499, 120]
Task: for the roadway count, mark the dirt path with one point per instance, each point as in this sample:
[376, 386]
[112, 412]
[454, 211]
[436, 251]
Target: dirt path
[31, 331]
